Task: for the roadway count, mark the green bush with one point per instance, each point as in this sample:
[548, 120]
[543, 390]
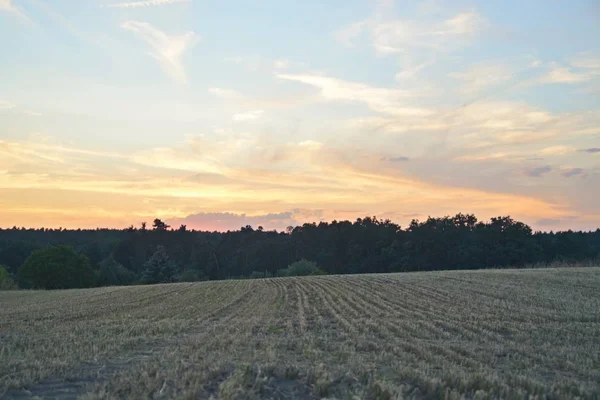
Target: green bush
[56, 267]
[301, 268]
[111, 273]
[191, 275]
[259, 275]
[6, 280]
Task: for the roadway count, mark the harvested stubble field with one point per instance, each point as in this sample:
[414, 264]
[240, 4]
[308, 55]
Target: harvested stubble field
[449, 335]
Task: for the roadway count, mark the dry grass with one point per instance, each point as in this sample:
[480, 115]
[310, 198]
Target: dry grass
[449, 335]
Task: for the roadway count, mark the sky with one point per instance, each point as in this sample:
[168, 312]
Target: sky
[220, 114]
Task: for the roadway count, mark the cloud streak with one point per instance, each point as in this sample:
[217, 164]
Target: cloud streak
[167, 50]
[226, 94]
[145, 3]
[558, 74]
[8, 7]
[591, 150]
[248, 116]
[536, 172]
[392, 36]
[383, 100]
[571, 172]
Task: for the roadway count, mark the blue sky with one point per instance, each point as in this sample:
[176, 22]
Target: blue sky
[113, 112]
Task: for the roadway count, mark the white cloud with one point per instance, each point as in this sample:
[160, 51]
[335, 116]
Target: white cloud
[535, 63]
[259, 63]
[8, 7]
[467, 23]
[398, 36]
[6, 105]
[144, 3]
[559, 74]
[227, 94]
[586, 61]
[171, 158]
[481, 76]
[347, 35]
[412, 71]
[281, 64]
[167, 50]
[556, 150]
[248, 116]
[310, 145]
[388, 101]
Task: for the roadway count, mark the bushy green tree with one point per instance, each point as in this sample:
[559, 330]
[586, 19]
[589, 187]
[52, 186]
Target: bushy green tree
[301, 268]
[159, 268]
[56, 267]
[6, 280]
[111, 273]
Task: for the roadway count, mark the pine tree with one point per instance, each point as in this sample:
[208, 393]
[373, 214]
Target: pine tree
[159, 268]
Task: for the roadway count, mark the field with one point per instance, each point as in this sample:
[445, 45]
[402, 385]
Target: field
[448, 335]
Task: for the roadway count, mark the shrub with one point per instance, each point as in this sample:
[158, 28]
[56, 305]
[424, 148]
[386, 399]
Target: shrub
[6, 280]
[159, 268]
[111, 273]
[259, 275]
[56, 267]
[301, 268]
[191, 275]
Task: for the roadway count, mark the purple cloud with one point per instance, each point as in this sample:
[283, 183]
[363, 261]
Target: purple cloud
[395, 159]
[231, 221]
[537, 172]
[573, 172]
[591, 150]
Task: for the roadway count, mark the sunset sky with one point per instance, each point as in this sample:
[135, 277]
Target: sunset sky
[218, 114]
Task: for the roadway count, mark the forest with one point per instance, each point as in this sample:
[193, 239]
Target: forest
[159, 253]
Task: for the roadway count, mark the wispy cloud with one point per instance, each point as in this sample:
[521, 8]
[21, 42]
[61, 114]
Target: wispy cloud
[8, 7]
[586, 60]
[6, 105]
[167, 50]
[571, 172]
[227, 94]
[144, 3]
[258, 62]
[281, 64]
[395, 159]
[384, 100]
[591, 150]
[560, 74]
[481, 76]
[348, 34]
[411, 72]
[558, 150]
[396, 36]
[536, 172]
[248, 116]
[40, 153]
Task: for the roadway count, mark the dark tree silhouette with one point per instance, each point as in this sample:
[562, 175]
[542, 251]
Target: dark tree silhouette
[158, 225]
[366, 245]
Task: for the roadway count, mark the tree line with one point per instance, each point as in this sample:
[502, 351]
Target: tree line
[368, 245]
